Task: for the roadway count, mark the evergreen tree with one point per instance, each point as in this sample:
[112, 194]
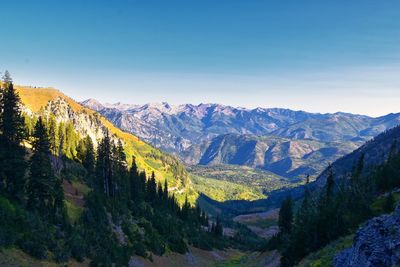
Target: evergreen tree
[12, 132]
[151, 189]
[122, 181]
[62, 139]
[286, 216]
[165, 193]
[44, 189]
[218, 228]
[53, 135]
[7, 77]
[142, 184]
[185, 209]
[160, 193]
[359, 195]
[81, 151]
[104, 167]
[134, 181]
[89, 161]
[304, 223]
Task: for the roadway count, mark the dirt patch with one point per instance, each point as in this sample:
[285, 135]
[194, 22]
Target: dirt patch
[267, 215]
[264, 233]
[262, 224]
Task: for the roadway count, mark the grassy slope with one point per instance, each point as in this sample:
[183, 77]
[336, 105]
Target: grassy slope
[324, 257]
[148, 158]
[262, 181]
[223, 190]
[16, 258]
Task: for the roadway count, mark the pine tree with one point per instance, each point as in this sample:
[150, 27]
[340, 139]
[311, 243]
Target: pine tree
[62, 139]
[160, 193]
[360, 191]
[326, 224]
[7, 77]
[44, 189]
[104, 167]
[218, 228]
[165, 193]
[286, 216]
[121, 183]
[89, 161]
[151, 189]
[12, 133]
[185, 209]
[71, 141]
[53, 135]
[142, 184]
[81, 151]
[134, 182]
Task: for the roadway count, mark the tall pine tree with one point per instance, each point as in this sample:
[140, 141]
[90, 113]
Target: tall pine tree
[12, 132]
[104, 167]
[45, 193]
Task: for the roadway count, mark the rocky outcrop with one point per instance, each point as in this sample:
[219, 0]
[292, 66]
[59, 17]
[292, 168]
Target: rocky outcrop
[85, 124]
[377, 243]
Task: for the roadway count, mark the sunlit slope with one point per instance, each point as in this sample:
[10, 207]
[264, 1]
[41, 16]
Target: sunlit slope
[147, 157]
[37, 98]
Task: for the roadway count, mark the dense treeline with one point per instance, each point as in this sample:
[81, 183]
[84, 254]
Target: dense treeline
[125, 213]
[338, 209]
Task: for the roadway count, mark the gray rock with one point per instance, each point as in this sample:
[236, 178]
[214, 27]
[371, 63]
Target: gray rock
[377, 243]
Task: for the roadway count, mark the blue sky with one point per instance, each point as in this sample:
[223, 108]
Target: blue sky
[321, 56]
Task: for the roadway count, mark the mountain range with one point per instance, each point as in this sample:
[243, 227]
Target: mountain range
[288, 143]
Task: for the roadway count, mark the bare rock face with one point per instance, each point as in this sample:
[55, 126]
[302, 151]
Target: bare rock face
[84, 123]
[377, 243]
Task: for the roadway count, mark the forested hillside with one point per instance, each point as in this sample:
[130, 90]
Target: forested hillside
[74, 122]
[353, 189]
[65, 195]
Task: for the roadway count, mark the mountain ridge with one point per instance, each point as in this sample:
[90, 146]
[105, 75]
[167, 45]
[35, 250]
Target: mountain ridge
[192, 131]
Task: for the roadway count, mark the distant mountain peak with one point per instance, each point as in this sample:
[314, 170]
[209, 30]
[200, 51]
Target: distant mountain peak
[93, 104]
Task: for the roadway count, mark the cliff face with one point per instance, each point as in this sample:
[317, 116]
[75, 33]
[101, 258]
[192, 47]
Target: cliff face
[377, 243]
[84, 123]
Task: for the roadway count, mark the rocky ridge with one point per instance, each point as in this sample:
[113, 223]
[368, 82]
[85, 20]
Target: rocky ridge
[377, 243]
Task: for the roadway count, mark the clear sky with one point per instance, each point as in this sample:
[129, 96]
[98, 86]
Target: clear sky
[320, 56]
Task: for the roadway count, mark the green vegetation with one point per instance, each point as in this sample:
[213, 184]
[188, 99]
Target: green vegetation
[337, 209]
[12, 257]
[324, 257]
[256, 179]
[74, 212]
[236, 260]
[60, 198]
[148, 158]
[223, 190]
